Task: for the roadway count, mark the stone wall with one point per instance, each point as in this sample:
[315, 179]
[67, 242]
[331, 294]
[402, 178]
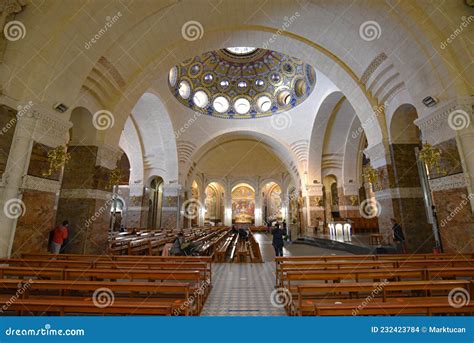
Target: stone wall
[7, 130]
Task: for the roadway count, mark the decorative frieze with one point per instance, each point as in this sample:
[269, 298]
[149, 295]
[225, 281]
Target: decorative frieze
[448, 182]
[436, 127]
[40, 184]
[42, 126]
[399, 193]
[379, 154]
[85, 194]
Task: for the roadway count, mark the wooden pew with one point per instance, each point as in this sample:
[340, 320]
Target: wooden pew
[428, 307]
[104, 264]
[163, 295]
[310, 294]
[193, 278]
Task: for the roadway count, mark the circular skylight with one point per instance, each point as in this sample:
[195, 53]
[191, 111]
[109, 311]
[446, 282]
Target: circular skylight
[241, 50]
[173, 76]
[242, 105]
[201, 99]
[221, 104]
[264, 103]
[184, 89]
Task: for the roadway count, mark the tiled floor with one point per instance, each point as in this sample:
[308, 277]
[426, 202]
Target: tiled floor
[245, 289]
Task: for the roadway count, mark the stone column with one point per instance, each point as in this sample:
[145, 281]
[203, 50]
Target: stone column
[137, 209]
[315, 204]
[349, 201]
[258, 210]
[450, 128]
[228, 206]
[202, 208]
[171, 206]
[399, 195]
[28, 197]
[86, 197]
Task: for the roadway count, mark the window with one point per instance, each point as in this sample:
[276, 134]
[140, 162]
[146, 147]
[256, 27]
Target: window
[264, 103]
[242, 84]
[184, 90]
[173, 76]
[200, 99]
[259, 83]
[242, 105]
[284, 98]
[221, 104]
[241, 50]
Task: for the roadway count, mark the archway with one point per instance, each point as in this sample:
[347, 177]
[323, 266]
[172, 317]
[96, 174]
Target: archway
[214, 204]
[272, 202]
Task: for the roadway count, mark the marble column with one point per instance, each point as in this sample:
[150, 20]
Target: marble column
[450, 128]
[171, 206]
[349, 201]
[399, 195]
[28, 198]
[86, 197]
[315, 204]
[227, 206]
[137, 207]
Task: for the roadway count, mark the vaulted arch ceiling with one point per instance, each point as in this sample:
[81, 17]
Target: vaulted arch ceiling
[145, 41]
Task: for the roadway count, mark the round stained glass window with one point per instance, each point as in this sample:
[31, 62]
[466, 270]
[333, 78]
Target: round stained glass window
[242, 105]
[184, 90]
[221, 104]
[173, 76]
[201, 99]
[264, 103]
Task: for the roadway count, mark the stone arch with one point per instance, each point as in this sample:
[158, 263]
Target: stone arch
[323, 115]
[279, 148]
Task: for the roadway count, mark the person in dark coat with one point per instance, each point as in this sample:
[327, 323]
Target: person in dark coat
[398, 236]
[277, 240]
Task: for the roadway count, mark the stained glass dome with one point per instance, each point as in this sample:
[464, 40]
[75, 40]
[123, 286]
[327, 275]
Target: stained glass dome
[242, 82]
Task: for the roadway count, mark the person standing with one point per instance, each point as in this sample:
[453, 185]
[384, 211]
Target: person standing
[277, 240]
[398, 236]
[61, 233]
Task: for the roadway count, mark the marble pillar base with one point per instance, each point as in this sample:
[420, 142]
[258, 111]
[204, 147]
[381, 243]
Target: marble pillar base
[89, 221]
[32, 230]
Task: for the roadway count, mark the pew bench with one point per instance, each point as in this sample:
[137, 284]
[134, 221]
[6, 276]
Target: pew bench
[307, 295]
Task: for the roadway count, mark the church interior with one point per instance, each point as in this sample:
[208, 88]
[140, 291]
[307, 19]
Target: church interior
[236, 158]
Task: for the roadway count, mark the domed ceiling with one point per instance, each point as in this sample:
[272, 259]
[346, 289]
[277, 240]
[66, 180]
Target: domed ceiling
[242, 82]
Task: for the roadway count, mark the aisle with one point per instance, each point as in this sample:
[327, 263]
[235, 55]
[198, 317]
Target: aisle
[245, 289]
[242, 290]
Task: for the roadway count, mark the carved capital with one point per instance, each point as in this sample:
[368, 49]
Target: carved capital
[41, 125]
[436, 126]
[8, 7]
[379, 154]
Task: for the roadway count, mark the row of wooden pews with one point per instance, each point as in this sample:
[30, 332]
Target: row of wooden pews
[425, 284]
[235, 249]
[104, 284]
[153, 241]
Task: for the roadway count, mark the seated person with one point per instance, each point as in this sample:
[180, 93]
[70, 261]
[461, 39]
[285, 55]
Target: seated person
[178, 245]
[243, 234]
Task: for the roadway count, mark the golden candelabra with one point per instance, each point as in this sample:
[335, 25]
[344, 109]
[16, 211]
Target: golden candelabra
[57, 158]
[431, 157]
[115, 177]
[370, 174]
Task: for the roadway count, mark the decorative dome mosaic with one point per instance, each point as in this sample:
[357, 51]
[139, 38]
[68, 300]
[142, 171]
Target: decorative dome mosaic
[242, 82]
